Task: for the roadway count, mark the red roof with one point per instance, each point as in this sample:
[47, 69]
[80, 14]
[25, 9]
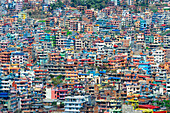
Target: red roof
[143, 76]
[115, 46]
[90, 62]
[110, 63]
[85, 59]
[158, 80]
[54, 29]
[111, 60]
[29, 64]
[153, 84]
[149, 106]
[40, 70]
[136, 60]
[160, 112]
[69, 60]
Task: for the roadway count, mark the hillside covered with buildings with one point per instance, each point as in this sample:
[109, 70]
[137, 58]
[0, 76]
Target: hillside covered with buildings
[84, 56]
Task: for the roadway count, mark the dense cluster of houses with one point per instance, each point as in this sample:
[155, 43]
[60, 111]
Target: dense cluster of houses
[82, 60]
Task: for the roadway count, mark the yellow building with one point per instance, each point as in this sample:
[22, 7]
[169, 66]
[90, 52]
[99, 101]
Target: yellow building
[137, 25]
[22, 15]
[144, 108]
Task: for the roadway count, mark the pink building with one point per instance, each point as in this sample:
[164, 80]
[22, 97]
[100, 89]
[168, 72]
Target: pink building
[59, 93]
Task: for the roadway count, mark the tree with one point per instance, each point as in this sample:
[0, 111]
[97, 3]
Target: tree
[60, 76]
[56, 81]
[52, 76]
[80, 18]
[18, 111]
[83, 12]
[97, 4]
[58, 4]
[54, 103]
[30, 14]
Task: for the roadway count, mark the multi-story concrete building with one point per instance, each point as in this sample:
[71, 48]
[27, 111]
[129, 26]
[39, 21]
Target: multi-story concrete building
[168, 86]
[158, 56]
[24, 100]
[59, 93]
[78, 44]
[74, 103]
[75, 25]
[131, 89]
[166, 39]
[8, 95]
[90, 13]
[5, 57]
[18, 57]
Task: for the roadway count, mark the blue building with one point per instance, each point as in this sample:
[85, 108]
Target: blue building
[143, 25]
[145, 67]
[69, 43]
[8, 96]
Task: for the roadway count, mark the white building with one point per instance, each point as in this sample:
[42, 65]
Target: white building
[19, 57]
[154, 68]
[157, 39]
[74, 103]
[141, 39]
[131, 89]
[130, 2]
[158, 56]
[78, 44]
[30, 74]
[168, 86]
[96, 28]
[116, 2]
[129, 109]
[50, 1]
[166, 39]
[48, 93]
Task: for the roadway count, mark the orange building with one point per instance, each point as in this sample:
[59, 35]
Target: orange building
[5, 57]
[72, 76]
[88, 28]
[89, 13]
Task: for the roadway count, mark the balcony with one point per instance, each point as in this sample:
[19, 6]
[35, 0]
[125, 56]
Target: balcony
[3, 89]
[123, 93]
[74, 101]
[103, 104]
[63, 94]
[13, 99]
[71, 110]
[113, 104]
[62, 98]
[23, 108]
[13, 103]
[72, 106]
[23, 104]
